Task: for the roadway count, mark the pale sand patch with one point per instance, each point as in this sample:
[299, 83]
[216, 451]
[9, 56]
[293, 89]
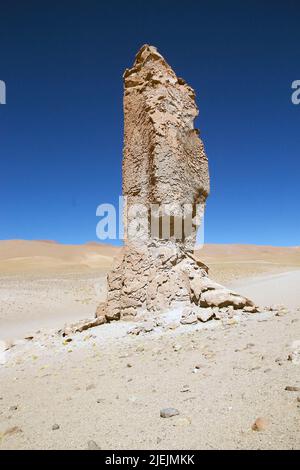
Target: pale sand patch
[280, 288]
[31, 303]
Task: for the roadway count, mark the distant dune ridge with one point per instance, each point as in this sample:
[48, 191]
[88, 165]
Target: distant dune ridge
[226, 261]
[17, 256]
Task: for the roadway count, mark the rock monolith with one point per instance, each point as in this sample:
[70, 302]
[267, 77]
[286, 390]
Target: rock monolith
[165, 187]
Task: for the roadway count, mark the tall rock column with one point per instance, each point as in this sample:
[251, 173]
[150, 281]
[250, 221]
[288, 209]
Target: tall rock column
[165, 185]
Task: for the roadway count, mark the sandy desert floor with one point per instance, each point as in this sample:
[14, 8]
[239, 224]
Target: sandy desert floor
[105, 388]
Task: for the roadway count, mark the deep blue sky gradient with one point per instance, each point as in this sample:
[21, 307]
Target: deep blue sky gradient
[61, 129]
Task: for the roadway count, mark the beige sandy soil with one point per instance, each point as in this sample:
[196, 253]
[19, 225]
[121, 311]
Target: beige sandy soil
[108, 386]
[45, 284]
[231, 262]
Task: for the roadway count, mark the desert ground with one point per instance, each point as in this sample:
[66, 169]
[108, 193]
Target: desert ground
[104, 388]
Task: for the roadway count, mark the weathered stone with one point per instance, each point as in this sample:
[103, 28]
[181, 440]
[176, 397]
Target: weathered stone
[188, 317]
[277, 307]
[291, 388]
[168, 412]
[82, 326]
[90, 387]
[260, 424]
[135, 330]
[100, 312]
[223, 298]
[202, 284]
[166, 184]
[204, 314]
[250, 309]
[148, 326]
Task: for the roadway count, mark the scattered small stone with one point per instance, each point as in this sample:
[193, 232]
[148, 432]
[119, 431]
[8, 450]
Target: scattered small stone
[260, 424]
[189, 320]
[172, 326]
[204, 314]
[100, 400]
[55, 427]
[279, 361]
[90, 387]
[140, 348]
[294, 357]
[92, 445]
[13, 408]
[218, 314]
[129, 365]
[290, 388]
[168, 412]
[177, 347]
[276, 308]
[135, 331]
[298, 399]
[251, 309]
[185, 388]
[147, 327]
[209, 354]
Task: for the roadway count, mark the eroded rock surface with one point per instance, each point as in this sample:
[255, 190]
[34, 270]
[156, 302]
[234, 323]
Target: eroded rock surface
[166, 184]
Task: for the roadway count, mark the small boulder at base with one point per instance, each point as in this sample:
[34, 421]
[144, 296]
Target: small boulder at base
[168, 412]
[260, 424]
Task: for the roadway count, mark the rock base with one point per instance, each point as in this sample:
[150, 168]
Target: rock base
[151, 280]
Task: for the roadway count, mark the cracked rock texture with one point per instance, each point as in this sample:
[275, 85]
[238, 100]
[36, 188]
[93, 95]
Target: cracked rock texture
[166, 184]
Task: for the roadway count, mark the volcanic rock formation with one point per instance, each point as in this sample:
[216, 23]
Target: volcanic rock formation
[165, 184]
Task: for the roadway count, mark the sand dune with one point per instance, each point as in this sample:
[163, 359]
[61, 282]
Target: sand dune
[228, 261]
[25, 256]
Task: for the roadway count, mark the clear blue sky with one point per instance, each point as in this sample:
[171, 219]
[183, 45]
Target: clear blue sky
[61, 129]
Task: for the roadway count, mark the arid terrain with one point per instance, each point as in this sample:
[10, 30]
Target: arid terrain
[104, 387]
